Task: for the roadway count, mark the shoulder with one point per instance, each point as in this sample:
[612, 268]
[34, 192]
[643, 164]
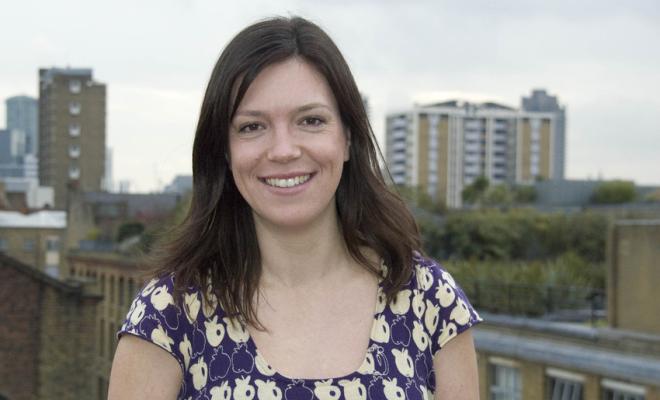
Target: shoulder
[447, 310]
[158, 316]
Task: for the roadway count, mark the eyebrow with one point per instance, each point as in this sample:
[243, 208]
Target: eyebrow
[306, 107]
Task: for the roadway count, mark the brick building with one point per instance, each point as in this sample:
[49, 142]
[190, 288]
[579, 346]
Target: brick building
[47, 333]
[118, 278]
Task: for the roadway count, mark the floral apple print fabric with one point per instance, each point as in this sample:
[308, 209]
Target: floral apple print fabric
[220, 361]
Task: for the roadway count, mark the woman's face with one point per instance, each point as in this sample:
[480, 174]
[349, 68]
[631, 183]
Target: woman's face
[288, 146]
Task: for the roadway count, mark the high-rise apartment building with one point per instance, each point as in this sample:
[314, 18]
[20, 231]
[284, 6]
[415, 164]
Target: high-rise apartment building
[441, 148]
[22, 115]
[71, 131]
[540, 101]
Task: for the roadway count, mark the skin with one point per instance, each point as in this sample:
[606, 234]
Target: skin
[315, 301]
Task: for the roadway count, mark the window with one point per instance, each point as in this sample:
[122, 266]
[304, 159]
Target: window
[101, 337]
[505, 379]
[29, 244]
[74, 129]
[74, 172]
[564, 385]
[614, 390]
[3, 245]
[74, 108]
[74, 151]
[75, 86]
[52, 243]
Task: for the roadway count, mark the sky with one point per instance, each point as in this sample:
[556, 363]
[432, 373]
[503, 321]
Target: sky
[601, 58]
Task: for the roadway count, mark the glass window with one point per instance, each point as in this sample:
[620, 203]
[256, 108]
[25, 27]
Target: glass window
[3, 245]
[74, 151]
[74, 129]
[505, 382]
[74, 108]
[52, 243]
[614, 390]
[29, 244]
[74, 172]
[75, 86]
[560, 388]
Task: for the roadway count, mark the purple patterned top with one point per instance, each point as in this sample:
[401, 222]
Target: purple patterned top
[220, 361]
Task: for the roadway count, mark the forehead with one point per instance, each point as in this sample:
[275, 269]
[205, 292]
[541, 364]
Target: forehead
[286, 86]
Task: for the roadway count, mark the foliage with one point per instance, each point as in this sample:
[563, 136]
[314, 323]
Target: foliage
[518, 234]
[474, 192]
[614, 192]
[417, 197]
[129, 229]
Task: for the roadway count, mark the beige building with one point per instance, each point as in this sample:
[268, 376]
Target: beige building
[118, 279]
[36, 239]
[72, 131]
[441, 148]
[530, 359]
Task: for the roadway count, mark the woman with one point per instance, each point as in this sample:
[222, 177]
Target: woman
[297, 274]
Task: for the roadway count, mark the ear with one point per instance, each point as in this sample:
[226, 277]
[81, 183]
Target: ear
[347, 150]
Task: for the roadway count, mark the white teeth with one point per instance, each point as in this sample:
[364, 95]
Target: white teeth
[287, 183]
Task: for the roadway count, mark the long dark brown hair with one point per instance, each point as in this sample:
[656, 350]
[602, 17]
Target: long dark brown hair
[217, 239]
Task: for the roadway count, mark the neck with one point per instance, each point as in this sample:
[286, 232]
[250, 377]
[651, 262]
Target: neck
[301, 256]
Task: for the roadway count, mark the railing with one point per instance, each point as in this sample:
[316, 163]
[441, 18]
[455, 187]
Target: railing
[534, 300]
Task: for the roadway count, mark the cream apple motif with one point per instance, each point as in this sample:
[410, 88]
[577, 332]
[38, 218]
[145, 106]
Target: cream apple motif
[138, 312]
[391, 390]
[185, 347]
[236, 331]
[222, 392]
[418, 303]
[401, 302]
[381, 330]
[160, 337]
[445, 294]
[191, 306]
[199, 372]
[161, 298]
[353, 389]
[325, 390]
[424, 278]
[243, 389]
[447, 332]
[404, 362]
[431, 316]
[420, 337]
[215, 331]
[262, 365]
[460, 313]
[268, 390]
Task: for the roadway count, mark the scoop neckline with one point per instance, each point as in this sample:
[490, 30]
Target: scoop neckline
[256, 354]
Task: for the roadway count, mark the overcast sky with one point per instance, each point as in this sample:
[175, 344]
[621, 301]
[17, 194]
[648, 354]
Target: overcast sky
[601, 58]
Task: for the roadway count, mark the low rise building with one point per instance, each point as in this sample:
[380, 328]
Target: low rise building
[35, 239]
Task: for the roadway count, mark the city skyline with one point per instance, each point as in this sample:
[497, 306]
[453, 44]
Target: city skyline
[595, 57]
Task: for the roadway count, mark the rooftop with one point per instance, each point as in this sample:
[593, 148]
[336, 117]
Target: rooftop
[40, 219]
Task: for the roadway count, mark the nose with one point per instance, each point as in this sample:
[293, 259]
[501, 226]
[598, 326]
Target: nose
[284, 145]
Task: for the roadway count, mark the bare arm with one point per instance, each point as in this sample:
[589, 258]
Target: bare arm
[142, 370]
[455, 365]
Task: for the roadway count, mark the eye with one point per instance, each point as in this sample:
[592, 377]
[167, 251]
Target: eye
[249, 127]
[312, 121]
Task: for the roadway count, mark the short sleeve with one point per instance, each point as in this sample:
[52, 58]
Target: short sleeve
[156, 318]
[448, 311]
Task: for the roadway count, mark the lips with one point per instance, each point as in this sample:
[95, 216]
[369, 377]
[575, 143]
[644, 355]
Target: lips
[286, 182]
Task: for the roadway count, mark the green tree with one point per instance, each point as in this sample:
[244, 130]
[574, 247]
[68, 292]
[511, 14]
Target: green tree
[129, 229]
[474, 192]
[614, 192]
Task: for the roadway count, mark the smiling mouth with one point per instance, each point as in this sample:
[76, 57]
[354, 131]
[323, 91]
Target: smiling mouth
[287, 182]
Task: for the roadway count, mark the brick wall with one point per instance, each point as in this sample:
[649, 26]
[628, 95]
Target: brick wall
[19, 327]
